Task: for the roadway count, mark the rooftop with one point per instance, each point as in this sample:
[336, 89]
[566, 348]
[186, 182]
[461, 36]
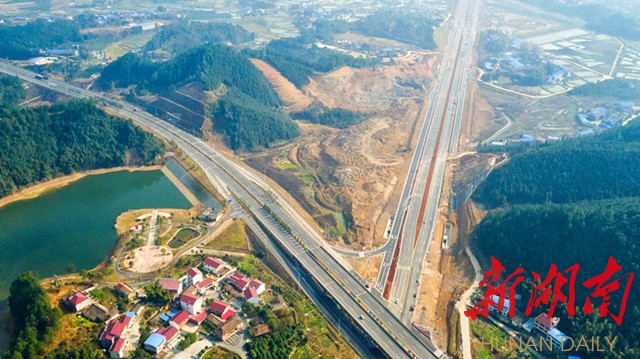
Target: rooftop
[170, 284]
[189, 298]
[155, 340]
[181, 317]
[212, 262]
[77, 298]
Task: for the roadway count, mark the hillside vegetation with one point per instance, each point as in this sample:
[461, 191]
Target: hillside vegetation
[300, 57]
[179, 37]
[602, 167]
[48, 141]
[248, 110]
[623, 89]
[575, 201]
[412, 28]
[22, 42]
[36, 322]
[587, 233]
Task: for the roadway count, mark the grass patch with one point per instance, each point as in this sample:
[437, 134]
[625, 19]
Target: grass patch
[220, 353]
[285, 165]
[485, 331]
[233, 238]
[182, 237]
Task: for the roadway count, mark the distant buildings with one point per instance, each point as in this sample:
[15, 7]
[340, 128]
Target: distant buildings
[146, 26]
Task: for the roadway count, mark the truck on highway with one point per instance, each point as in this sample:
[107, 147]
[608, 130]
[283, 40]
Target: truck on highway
[42, 77]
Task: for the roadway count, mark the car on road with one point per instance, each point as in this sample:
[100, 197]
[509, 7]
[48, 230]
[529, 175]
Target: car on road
[396, 301]
[415, 295]
[412, 308]
[361, 317]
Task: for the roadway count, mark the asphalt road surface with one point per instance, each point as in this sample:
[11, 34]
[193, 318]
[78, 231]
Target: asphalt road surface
[415, 219]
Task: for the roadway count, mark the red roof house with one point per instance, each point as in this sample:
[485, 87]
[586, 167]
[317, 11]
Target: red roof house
[179, 319]
[251, 295]
[211, 264]
[199, 318]
[78, 301]
[239, 281]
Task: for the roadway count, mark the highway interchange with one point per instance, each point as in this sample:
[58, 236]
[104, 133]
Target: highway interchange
[385, 323]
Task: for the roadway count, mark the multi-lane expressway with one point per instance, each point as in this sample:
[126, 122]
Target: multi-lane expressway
[415, 218]
[301, 242]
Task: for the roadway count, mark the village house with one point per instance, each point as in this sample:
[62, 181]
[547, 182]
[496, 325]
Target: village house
[78, 301]
[239, 281]
[172, 285]
[221, 309]
[114, 330]
[179, 319]
[126, 291]
[204, 285]
[161, 338]
[227, 329]
[257, 285]
[98, 312]
[251, 295]
[193, 276]
[117, 349]
[212, 265]
[191, 303]
[543, 323]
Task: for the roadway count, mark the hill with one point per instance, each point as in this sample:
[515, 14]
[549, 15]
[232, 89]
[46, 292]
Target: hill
[535, 236]
[247, 111]
[49, 141]
[23, 42]
[576, 201]
[412, 28]
[601, 167]
[300, 57]
[623, 89]
[179, 37]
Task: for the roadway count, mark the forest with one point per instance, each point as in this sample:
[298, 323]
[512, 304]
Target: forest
[623, 89]
[49, 141]
[413, 28]
[535, 236]
[20, 42]
[248, 110]
[563, 203]
[332, 117]
[179, 37]
[36, 322]
[600, 167]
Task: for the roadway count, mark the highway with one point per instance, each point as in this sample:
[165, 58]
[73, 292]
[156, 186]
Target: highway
[300, 241]
[415, 219]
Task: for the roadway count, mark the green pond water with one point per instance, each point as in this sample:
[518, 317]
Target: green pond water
[75, 224]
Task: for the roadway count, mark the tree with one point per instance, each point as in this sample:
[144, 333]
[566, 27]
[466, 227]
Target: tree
[157, 294]
[34, 318]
